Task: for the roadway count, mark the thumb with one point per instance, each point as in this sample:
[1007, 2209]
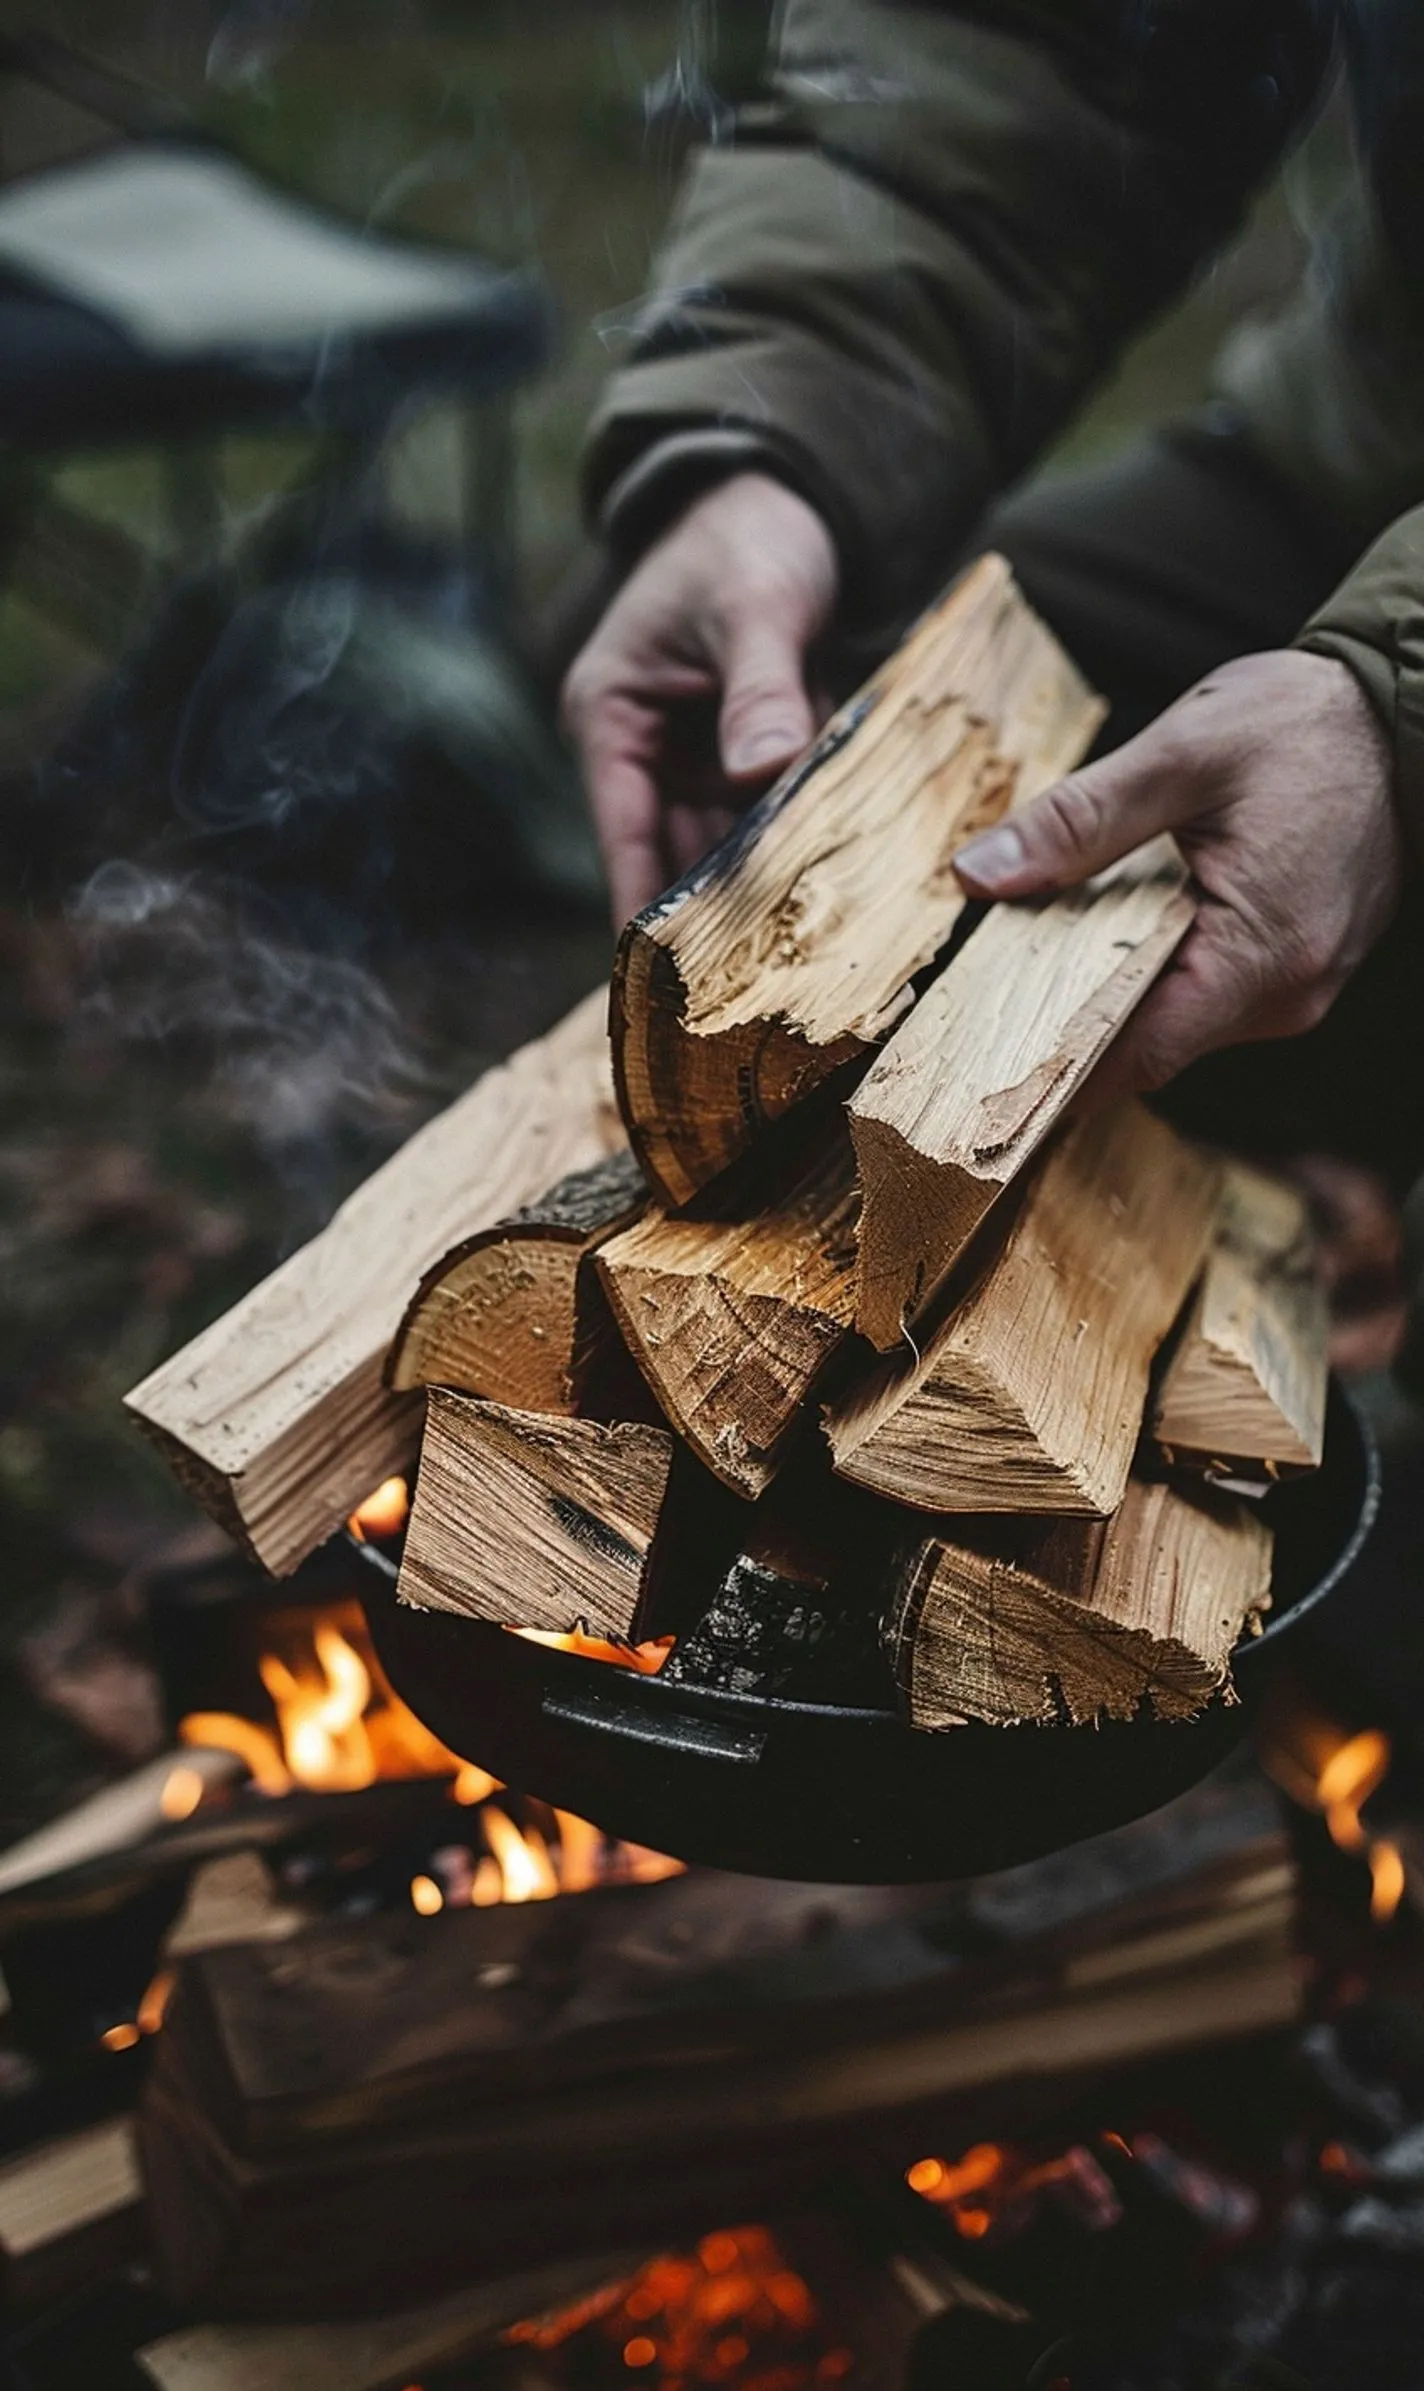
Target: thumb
[1080, 825]
[766, 717]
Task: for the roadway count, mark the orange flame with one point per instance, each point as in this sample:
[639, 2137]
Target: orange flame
[646, 1658]
[1386, 1881]
[383, 1513]
[1324, 1769]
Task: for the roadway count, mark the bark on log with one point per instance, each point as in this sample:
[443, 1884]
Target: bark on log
[792, 950]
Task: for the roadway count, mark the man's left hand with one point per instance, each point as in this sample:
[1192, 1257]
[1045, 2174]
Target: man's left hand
[1275, 776]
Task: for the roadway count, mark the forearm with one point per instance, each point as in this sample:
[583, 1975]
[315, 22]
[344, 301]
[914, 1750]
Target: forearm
[911, 266]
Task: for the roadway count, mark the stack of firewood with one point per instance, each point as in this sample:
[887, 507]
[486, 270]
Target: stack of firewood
[845, 1275]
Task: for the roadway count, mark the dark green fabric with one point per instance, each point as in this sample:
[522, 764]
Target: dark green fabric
[1374, 622]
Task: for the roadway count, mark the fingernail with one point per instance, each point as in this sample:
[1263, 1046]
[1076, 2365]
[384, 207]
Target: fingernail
[758, 748]
[993, 857]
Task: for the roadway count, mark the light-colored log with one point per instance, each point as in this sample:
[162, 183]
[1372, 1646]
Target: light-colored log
[277, 1416]
[733, 1320]
[68, 2210]
[972, 1082]
[1243, 1395]
[792, 949]
[1030, 1396]
[531, 1521]
[498, 1315]
[1081, 1619]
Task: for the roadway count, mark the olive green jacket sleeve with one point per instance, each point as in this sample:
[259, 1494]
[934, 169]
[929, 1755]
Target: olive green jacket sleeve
[1374, 622]
[897, 281]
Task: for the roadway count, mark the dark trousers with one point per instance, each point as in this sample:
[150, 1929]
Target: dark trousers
[1154, 568]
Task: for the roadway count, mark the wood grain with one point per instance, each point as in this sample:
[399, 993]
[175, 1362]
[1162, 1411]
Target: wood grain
[733, 1319]
[972, 1082]
[531, 1521]
[277, 1416]
[1076, 1620]
[791, 950]
[1030, 1395]
[498, 1315]
[1243, 1395]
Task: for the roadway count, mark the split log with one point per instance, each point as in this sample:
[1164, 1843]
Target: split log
[277, 1416]
[971, 1084]
[1081, 1619]
[733, 1319]
[531, 1521]
[68, 2211]
[1030, 1396]
[454, 2097]
[1243, 1395]
[499, 1315]
[375, 2353]
[792, 949]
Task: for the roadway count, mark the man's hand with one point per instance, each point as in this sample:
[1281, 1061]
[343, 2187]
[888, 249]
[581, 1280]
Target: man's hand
[715, 623]
[1274, 773]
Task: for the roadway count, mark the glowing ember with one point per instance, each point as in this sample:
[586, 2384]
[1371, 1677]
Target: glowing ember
[153, 2008]
[383, 1513]
[731, 2311]
[120, 2038]
[426, 1898]
[646, 1658]
[994, 2190]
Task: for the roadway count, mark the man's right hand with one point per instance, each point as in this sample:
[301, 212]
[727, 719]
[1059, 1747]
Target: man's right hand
[713, 626]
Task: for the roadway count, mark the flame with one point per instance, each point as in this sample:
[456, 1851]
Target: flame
[121, 2037]
[473, 1784]
[383, 1513]
[255, 1746]
[944, 2185]
[522, 1856]
[1324, 1769]
[646, 1658]
[153, 2008]
[426, 1898]
[1386, 1881]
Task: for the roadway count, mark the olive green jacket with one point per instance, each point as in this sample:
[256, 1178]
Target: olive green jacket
[914, 260]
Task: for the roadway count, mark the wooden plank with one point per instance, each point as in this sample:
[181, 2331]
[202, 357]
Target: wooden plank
[792, 949]
[374, 2353]
[1080, 1619]
[277, 1416]
[1030, 1396]
[971, 1084]
[733, 1316]
[1243, 1395]
[498, 1315]
[532, 1521]
[68, 2210]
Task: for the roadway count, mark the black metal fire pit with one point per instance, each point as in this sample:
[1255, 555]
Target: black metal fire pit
[838, 1793]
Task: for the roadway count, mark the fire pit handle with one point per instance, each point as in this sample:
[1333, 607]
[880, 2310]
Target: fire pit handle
[680, 1731]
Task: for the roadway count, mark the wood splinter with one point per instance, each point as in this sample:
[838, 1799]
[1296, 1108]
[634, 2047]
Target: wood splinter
[1243, 1395]
[972, 1082]
[1030, 1395]
[1055, 1620]
[500, 1314]
[532, 1521]
[792, 949]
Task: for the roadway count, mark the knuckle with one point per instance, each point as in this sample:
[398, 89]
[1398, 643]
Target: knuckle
[1074, 815]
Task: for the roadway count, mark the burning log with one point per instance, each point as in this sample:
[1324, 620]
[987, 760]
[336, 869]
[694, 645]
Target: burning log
[1243, 1395]
[499, 1315]
[548, 1518]
[992, 1055]
[792, 950]
[277, 1417]
[1030, 1396]
[455, 2096]
[1080, 1618]
[732, 1317]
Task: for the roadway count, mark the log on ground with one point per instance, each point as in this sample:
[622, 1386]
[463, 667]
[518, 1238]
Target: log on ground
[498, 1315]
[1077, 1620]
[277, 1416]
[970, 1085]
[533, 1521]
[1243, 1394]
[1030, 1395]
[792, 949]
